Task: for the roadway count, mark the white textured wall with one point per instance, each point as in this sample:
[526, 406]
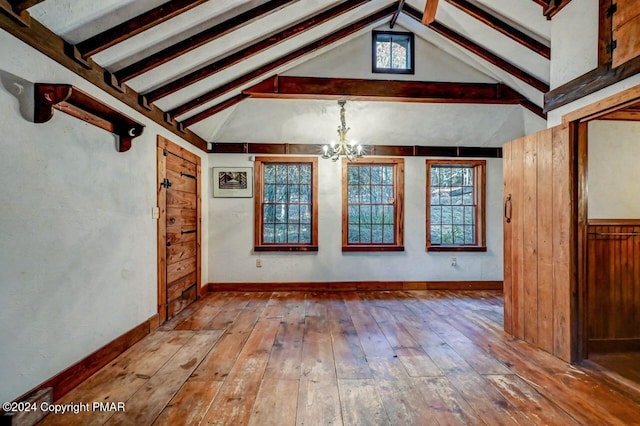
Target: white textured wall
[231, 237]
[574, 41]
[78, 245]
[613, 176]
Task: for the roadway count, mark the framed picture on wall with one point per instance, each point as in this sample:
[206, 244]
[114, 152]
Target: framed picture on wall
[232, 182]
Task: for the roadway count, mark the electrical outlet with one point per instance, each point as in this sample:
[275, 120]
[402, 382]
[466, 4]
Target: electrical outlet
[155, 213]
[258, 263]
[454, 261]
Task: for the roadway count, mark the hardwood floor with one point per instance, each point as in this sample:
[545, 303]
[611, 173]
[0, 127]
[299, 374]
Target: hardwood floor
[353, 358]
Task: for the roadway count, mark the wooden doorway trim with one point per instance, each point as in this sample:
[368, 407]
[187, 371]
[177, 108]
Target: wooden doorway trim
[577, 120]
[162, 145]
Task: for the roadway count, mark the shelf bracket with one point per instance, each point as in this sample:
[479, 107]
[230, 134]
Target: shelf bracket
[75, 102]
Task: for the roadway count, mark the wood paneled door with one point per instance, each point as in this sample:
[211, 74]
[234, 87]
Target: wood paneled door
[179, 228]
[539, 240]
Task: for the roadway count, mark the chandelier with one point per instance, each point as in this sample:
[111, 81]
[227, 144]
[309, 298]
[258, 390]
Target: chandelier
[334, 150]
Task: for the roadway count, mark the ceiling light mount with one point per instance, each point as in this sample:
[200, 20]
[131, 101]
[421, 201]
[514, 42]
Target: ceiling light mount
[335, 150]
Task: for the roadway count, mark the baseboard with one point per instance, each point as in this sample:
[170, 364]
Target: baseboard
[68, 379]
[356, 286]
[613, 345]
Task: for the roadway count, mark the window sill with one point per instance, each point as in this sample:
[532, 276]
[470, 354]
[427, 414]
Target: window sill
[285, 248]
[370, 248]
[456, 248]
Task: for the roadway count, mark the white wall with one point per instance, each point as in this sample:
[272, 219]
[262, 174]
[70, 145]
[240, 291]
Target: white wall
[613, 172]
[231, 238]
[574, 52]
[78, 247]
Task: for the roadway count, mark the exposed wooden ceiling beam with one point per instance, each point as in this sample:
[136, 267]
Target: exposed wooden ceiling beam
[257, 73]
[430, 9]
[394, 18]
[622, 115]
[386, 150]
[588, 83]
[543, 3]
[260, 46]
[214, 110]
[49, 44]
[140, 23]
[144, 65]
[554, 7]
[384, 90]
[502, 27]
[20, 6]
[479, 50]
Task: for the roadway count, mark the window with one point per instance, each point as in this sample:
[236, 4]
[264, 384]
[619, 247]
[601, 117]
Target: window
[393, 52]
[455, 205]
[286, 204]
[372, 204]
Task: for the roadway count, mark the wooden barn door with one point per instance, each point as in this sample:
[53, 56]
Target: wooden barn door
[178, 228]
[538, 238]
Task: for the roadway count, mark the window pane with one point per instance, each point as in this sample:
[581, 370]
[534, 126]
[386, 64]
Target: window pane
[294, 174]
[365, 214]
[305, 193]
[458, 215]
[365, 175]
[292, 237]
[269, 213]
[352, 174]
[388, 236]
[436, 214]
[268, 233]
[447, 234]
[354, 214]
[365, 234]
[387, 175]
[376, 234]
[354, 234]
[269, 193]
[365, 194]
[458, 234]
[294, 213]
[305, 213]
[447, 215]
[376, 194]
[294, 193]
[377, 214]
[281, 213]
[435, 196]
[469, 235]
[456, 195]
[376, 174]
[387, 194]
[436, 234]
[305, 174]
[469, 215]
[281, 174]
[352, 194]
[305, 234]
[281, 193]
[388, 215]
[270, 174]
[281, 233]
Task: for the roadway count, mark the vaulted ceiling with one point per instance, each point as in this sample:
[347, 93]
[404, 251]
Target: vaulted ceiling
[218, 70]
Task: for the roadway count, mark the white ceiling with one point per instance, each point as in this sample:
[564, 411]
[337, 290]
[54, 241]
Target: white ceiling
[313, 121]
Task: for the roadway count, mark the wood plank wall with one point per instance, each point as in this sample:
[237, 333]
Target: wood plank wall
[538, 253]
[613, 286]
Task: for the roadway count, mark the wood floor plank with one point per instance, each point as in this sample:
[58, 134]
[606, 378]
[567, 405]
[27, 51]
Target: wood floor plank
[270, 408]
[447, 404]
[149, 401]
[237, 394]
[122, 378]
[350, 360]
[318, 402]
[190, 404]
[526, 399]
[286, 356]
[361, 404]
[335, 358]
[222, 357]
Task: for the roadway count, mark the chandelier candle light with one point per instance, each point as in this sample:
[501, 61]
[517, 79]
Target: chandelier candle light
[351, 150]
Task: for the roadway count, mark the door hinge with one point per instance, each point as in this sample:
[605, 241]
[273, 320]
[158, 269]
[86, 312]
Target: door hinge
[187, 175]
[166, 183]
[611, 46]
[612, 9]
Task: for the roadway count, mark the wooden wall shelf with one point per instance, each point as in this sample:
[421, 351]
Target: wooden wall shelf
[75, 102]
